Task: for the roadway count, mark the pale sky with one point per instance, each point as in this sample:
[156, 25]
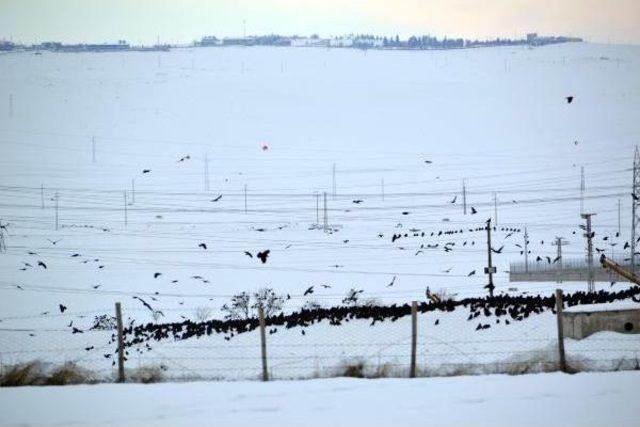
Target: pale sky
[182, 21]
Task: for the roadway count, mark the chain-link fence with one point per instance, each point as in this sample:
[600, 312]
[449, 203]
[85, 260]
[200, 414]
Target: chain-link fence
[372, 342]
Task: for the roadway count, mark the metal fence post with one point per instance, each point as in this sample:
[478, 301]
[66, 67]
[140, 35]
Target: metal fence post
[414, 336]
[120, 343]
[561, 355]
[263, 344]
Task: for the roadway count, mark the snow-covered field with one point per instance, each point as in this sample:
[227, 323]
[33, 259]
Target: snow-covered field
[593, 399]
[276, 121]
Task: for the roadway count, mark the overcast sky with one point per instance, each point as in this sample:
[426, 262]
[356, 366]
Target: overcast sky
[182, 21]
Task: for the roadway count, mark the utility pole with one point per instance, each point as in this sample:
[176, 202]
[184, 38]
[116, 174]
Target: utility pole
[635, 189]
[582, 190]
[619, 209]
[326, 216]
[464, 197]
[245, 198]
[93, 149]
[490, 269]
[559, 243]
[526, 251]
[133, 191]
[42, 195]
[56, 197]
[589, 235]
[495, 208]
[334, 181]
[206, 172]
[125, 208]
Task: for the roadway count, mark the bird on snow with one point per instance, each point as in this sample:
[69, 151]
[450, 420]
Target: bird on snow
[146, 170]
[217, 198]
[42, 264]
[202, 245]
[471, 274]
[473, 211]
[62, 308]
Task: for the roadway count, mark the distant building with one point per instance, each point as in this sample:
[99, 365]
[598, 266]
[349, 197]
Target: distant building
[309, 42]
[209, 41]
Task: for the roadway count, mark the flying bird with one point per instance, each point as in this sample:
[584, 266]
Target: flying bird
[569, 99]
[182, 159]
[635, 197]
[248, 254]
[471, 274]
[263, 255]
[309, 291]
[217, 198]
[156, 275]
[454, 199]
[392, 282]
[497, 251]
[62, 308]
[42, 264]
[146, 170]
[54, 242]
[202, 245]
[473, 211]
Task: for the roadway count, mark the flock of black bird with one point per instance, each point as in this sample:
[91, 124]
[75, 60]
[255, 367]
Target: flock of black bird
[509, 308]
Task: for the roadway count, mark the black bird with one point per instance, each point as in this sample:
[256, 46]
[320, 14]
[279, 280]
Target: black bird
[217, 198]
[556, 259]
[471, 274]
[454, 199]
[634, 196]
[309, 291]
[182, 159]
[405, 213]
[497, 251]
[202, 245]
[75, 255]
[392, 282]
[75, 330]
[263, 255]
[473, 211]
[32, 253]
[89, 348]
[436, 322]
[326, 286]
[357, 202]
[96, 286]
[156, 275]
[54, 242]
[569, 99]
[146, 304]
[42, 264]
[248, 254]
[62, 308]
[428, 162]
[146, 170]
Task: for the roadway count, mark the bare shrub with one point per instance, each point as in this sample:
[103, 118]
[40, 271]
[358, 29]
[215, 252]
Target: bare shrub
[29, 373]
[69, 373]
[244, 305]
[202, 314]
[146, 374]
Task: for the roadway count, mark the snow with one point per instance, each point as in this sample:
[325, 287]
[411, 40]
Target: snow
[592, 308]
[580, 400]
[495, 117]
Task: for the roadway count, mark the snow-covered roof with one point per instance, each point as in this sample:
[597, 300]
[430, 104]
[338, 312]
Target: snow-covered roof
[592, 308]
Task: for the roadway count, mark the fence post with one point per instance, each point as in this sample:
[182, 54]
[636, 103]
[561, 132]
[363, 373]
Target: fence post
[120, 343]
[263, 344]
[414, 336]
[561, 356]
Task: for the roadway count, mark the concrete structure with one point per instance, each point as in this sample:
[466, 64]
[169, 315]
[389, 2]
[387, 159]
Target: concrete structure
[566, 271]
[580, 322]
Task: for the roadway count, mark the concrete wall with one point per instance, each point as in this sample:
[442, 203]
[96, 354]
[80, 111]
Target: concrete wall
[599, 275]
[582, 324]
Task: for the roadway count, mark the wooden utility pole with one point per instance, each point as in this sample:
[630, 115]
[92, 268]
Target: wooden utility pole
[490, 269]
[414, 337]
[263, 343]
[561, 354]
[120, 343]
